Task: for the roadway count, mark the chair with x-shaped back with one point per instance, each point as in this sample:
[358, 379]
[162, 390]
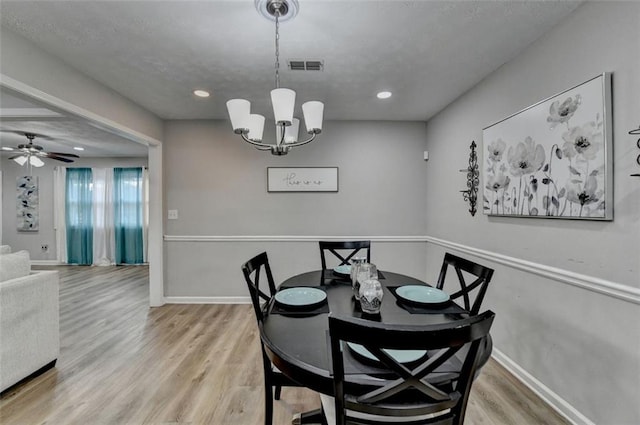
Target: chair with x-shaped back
[273, 378]
[338, 248]
[476, 289]
[433, 390]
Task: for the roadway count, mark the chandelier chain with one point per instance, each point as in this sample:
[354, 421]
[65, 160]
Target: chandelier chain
[277, 65]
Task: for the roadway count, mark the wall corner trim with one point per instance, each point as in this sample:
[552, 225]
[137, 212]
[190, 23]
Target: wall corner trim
[545, 393]
[595, 284]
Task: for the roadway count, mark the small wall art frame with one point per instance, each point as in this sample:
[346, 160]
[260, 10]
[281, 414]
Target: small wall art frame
[27, 204]
[302, 179]
[553, 159]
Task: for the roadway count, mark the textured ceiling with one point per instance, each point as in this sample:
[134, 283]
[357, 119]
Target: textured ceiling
[63, 133]
[156, 52]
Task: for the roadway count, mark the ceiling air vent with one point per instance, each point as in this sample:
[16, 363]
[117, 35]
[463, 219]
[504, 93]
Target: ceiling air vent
[302, 65]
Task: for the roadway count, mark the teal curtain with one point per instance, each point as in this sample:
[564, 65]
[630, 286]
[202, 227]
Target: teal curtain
[128, 215]
[79, 216]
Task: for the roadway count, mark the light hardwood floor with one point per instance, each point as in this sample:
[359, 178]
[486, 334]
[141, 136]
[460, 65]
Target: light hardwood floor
[124, 363]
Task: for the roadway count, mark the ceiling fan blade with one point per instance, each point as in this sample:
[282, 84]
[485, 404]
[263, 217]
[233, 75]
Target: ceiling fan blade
[59, 158]
[16, 156]
[72, 155]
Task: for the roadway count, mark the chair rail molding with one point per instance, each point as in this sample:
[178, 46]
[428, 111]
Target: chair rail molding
[289, 238]
[594, 284]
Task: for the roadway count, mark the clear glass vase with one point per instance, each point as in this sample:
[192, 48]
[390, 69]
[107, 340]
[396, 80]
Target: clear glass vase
[355, 267]
[371, 296]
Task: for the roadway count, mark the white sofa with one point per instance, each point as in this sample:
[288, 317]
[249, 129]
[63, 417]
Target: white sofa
[29, 318]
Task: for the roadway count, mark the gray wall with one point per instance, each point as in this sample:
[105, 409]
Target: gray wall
[217, 183]
[583, 345]
[32, 241]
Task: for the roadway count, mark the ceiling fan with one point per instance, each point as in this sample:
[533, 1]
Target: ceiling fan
[31, 153]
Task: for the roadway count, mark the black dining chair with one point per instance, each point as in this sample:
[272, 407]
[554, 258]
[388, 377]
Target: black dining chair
[338, 250]
[433, 390]
[476, 289]
[273, 379]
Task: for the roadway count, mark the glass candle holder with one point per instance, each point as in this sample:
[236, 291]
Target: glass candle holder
[355, 266]
[365, 271]
[371, 296]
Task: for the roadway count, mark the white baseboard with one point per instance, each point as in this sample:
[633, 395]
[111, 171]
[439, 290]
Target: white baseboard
[545, 393]
[47, 263]
[207, 300]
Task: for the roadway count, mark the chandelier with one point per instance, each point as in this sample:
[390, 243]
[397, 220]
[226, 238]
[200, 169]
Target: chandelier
[251, 126]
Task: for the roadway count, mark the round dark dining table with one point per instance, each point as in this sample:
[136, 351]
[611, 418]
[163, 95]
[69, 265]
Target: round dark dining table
[298, 342]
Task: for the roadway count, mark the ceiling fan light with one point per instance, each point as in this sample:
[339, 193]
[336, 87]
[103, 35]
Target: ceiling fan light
[20, 160]
[313, 112]
[283, 101]
[256, 127]
[239, 111]
[35, 161]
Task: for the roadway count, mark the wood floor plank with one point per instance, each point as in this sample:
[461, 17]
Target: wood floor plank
[122, 363]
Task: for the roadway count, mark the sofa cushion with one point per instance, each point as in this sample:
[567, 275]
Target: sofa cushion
[5, 249]
[14, 265]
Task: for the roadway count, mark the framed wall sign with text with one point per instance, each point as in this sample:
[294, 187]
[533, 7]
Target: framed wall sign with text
[302, 179]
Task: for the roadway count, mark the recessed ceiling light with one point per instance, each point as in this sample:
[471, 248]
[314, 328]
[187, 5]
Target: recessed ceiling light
[201, 93]
[7, 148]
[384, 95]
[78, 148]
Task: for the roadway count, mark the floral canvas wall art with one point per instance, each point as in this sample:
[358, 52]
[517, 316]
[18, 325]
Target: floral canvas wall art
[27, 204]
[553, 159]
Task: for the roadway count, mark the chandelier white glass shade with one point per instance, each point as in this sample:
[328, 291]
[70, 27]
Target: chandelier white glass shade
[251, 126]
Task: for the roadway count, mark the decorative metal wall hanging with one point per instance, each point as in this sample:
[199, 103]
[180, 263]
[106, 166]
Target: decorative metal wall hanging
[470, 195]
[635, 133]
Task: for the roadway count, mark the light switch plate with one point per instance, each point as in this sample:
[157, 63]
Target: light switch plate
[173, 215]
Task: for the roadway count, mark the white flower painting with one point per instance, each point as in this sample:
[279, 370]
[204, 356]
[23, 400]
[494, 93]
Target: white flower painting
[553, 158]
[27, 203]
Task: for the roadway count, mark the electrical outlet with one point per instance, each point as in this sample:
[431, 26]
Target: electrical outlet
[172, 215]
[45, 248]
